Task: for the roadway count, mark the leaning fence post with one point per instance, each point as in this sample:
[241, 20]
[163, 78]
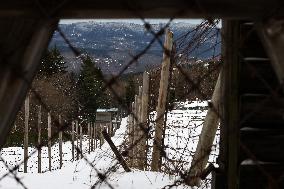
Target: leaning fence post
[26, 133]
[49, 139]
[206, 138]
[72, 138]
[161, 107]
[60, 141]
[39, 139]
[115, 151]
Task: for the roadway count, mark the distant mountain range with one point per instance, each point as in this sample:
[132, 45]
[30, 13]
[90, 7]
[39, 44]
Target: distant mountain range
[112, 45]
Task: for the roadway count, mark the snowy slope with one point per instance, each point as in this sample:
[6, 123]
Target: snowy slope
[183, 127]
[79, 174]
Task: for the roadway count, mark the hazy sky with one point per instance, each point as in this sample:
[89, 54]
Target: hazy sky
[136, 21]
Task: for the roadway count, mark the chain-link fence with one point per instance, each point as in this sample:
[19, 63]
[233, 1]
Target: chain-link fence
[190, 86]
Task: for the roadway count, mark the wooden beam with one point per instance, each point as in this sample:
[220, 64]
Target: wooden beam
[143, 8]
[230, 122]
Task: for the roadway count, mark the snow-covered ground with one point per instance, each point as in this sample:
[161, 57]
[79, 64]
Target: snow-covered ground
[183, 128]
[184, 125]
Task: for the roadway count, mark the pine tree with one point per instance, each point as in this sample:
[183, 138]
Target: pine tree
[52, 62]
[90, 84]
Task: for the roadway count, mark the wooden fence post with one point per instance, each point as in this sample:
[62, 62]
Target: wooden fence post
[95, 136]
[110, 126]
[129, 121]
[60, 141]
[77, 139]
[72, 138]
[26, 133]
[161, 107]
[144, 117]
[39, 140]
[206, 138]
[135, 123]
[81, 140]
[49, 139]
[101, 135]
[89, 138]
[115, 124]
[130, 133]
[138, 130]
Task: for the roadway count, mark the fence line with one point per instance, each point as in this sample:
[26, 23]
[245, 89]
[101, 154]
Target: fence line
[94, 133]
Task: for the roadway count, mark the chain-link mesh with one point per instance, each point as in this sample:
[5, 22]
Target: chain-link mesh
[191, 86]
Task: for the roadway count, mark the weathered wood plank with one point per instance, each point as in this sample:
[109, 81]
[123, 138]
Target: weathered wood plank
[257, 76]
[262, 112]
[265, 145]
[261, 176]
